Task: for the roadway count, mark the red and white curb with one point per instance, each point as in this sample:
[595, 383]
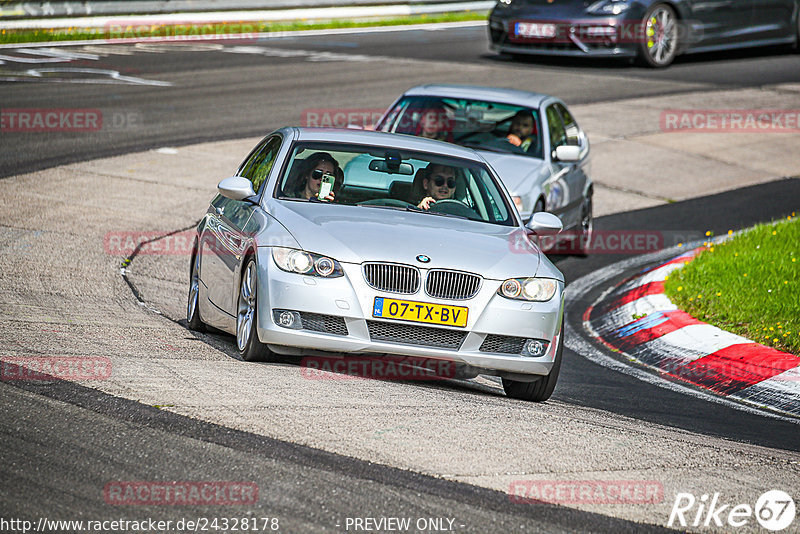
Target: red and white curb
[638, 320]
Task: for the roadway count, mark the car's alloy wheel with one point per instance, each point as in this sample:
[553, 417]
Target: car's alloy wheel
[659, 45]
[247, 342]
[540, 389]
[192, 306]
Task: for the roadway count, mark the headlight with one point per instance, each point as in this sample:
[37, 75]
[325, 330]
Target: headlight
[302, 262]
[504, 2]
[535, 289]
[608, 7]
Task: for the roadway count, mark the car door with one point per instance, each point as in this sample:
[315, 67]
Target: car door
[772, 19]
[577, 177]
[225, 240]
[716, 22]
[564, 187]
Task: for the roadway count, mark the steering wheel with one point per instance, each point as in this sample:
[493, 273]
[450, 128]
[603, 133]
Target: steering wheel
[453, 207]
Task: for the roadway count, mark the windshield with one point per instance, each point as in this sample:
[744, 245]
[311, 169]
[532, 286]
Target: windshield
[377, 177]
[473, 123]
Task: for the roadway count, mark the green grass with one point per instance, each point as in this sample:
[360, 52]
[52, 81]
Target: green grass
[80, 34]
[748, 285]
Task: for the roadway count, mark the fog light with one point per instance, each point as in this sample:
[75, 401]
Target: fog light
[534, 347]
[287, 319]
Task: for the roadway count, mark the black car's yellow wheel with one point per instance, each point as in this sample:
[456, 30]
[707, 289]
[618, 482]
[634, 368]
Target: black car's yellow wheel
[659, 43]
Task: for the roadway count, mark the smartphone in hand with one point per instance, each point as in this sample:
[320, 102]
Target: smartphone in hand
[326, 186]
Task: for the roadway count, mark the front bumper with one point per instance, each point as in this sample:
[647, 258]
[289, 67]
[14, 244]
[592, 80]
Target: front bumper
[350, 299]
[575, 37]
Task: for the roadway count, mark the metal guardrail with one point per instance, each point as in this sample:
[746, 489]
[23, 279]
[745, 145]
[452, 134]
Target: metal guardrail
[59, 8]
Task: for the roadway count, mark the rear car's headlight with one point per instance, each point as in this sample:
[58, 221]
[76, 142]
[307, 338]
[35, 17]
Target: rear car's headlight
[301, 262]
[534, 289]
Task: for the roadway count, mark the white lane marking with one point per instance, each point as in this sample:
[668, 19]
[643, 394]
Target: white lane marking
[783, 389]
[576, 341]
[17, 59]
[64, 54]
[310, 55]
[704, 339]
[167, 150]
[110, 77]
[104, 50]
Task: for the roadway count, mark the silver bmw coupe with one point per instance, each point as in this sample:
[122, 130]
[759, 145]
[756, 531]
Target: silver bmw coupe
[365, 243]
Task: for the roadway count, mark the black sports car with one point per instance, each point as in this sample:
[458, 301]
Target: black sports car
[655, 31]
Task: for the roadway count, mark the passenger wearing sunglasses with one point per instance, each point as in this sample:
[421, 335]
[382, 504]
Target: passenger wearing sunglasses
[310, 176]
[438, 183]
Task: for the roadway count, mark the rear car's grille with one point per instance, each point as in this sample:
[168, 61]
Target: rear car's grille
[503, 344]
[452, 285]
[328, 324]
[415, 335]
[392, 277]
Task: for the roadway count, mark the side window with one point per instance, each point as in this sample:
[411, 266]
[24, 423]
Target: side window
[570, 126]
[558, 135]
[260, 164]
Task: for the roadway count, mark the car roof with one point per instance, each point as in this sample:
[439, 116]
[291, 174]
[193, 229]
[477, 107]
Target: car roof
[388, 140]
[476, 92]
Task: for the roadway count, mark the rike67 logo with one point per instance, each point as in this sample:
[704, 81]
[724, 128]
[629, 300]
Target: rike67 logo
[774, 510]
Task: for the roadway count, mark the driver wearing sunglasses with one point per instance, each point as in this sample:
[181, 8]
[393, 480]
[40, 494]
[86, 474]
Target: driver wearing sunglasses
[439, 184]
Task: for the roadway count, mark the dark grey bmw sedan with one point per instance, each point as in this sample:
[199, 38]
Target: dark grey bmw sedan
[654, 31]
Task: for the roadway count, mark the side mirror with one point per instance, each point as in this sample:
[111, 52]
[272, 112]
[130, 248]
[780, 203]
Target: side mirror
[567, 153]
[543, 223]
[236, 188]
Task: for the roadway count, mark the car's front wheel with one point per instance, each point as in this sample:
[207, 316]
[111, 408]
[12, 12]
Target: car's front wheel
[659, 44]
[193, 307]
[540, 389]
[247, 343]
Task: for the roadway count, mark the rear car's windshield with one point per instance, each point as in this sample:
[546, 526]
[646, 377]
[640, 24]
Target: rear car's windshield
[474, 123]
[377, 177]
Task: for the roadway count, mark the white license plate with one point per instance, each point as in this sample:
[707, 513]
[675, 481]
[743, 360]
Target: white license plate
[535, 30]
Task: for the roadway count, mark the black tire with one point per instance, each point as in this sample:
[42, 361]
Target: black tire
[540, 389]
[193, 305]
[248, 345]
[660, 51]
[585, 228]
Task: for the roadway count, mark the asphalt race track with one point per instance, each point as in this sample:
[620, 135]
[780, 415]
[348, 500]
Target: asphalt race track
[61, 441]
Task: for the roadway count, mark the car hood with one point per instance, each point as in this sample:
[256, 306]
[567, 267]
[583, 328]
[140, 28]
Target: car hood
[516, 172]
[553, 11]
[354, 234]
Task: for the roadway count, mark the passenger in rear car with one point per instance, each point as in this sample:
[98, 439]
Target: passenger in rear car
[523, 129]
[436, 182]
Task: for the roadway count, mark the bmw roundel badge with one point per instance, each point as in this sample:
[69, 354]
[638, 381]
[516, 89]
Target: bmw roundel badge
[422, 258]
